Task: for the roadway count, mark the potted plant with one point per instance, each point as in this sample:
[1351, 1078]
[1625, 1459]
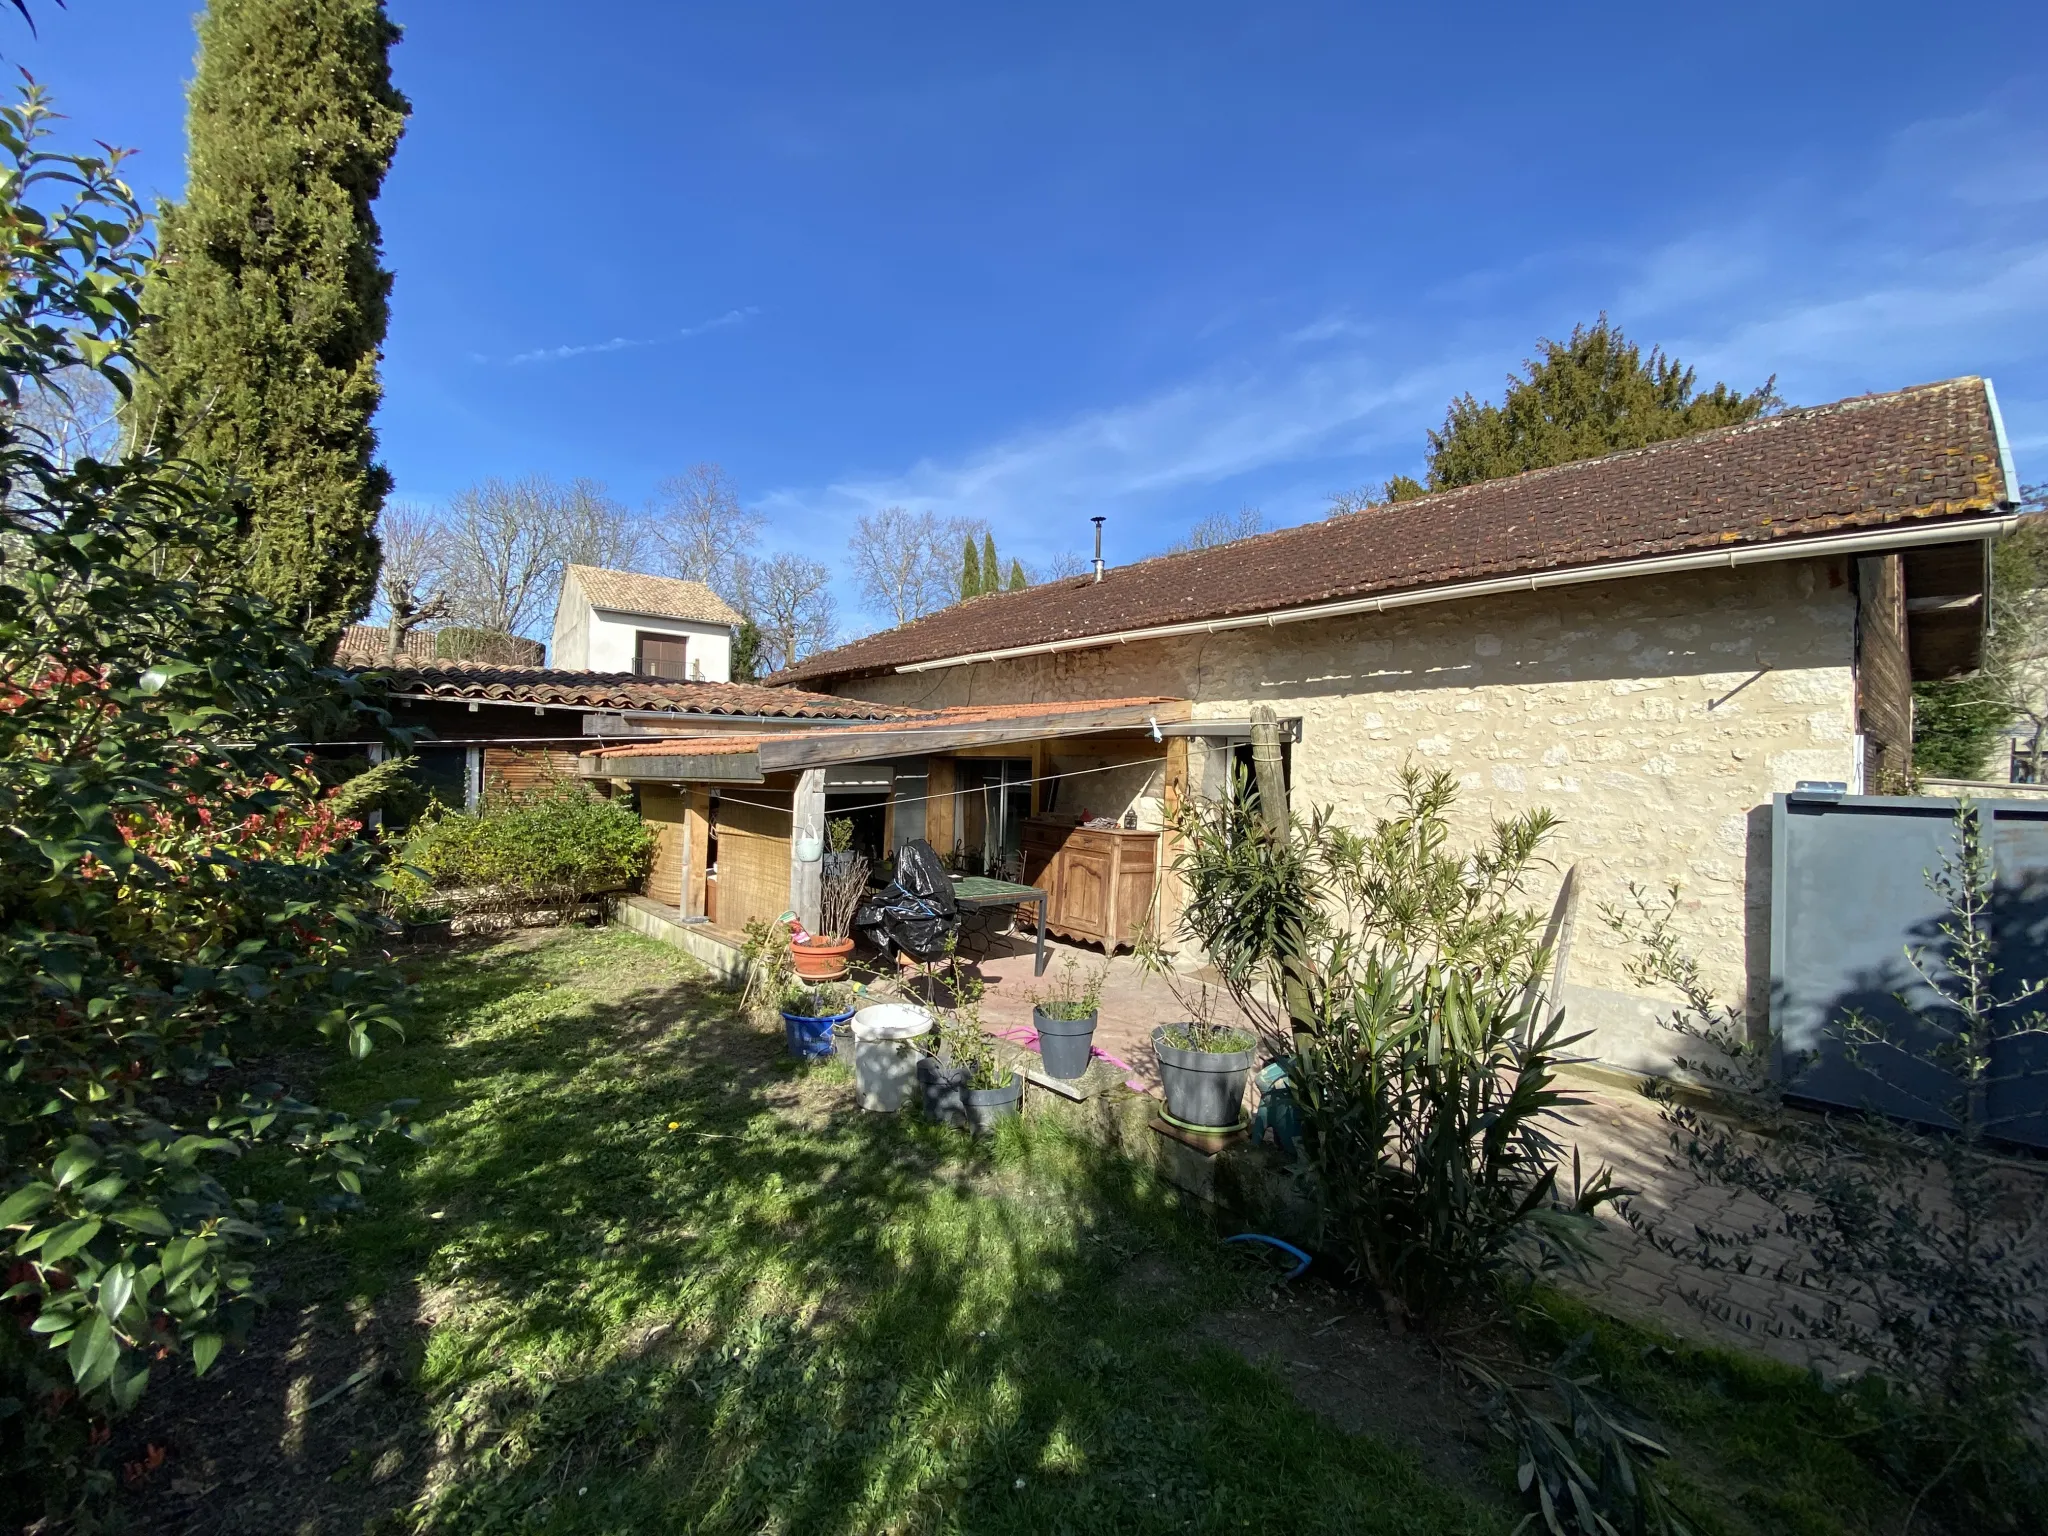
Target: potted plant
[822, 956]
[1202, 1066]
[810, 1012]
[1064, 1016]
[427, 922]
[966, 1083]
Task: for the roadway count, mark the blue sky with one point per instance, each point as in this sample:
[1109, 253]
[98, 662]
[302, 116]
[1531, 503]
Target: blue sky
[1038, 262]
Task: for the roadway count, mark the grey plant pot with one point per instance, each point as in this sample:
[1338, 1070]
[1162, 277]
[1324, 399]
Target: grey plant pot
[985, 1106]
[1204, 1088]
[940, 1086]
[1063, 1044]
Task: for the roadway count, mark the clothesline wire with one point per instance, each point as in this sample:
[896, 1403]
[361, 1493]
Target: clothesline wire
[1046, 778]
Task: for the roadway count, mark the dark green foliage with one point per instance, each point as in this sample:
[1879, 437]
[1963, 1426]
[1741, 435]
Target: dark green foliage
[459, 642]
[1403, 488]
[1957, 725]
[1422, 1055]
[1960, 723]
[1018, 580]
[1578, 399]
[991, 567]
[179, 901]
[746, 652]
[552, 846]
[970, 569]
[272, 298]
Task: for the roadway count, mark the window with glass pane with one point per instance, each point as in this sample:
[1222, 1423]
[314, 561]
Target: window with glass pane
[660, 656]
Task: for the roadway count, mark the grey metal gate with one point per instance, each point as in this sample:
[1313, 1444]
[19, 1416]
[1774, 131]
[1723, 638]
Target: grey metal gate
[1849, 895]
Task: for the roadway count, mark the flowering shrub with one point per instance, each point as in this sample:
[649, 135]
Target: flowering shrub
[178, 898]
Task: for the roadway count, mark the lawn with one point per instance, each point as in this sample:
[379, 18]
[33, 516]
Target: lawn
[651, 1276]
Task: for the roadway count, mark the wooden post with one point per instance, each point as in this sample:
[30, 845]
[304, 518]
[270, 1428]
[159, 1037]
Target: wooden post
[1041, 765]
[1167, 905]
[1267, 767]
[697, 850]
[807, 824]
[938, 807]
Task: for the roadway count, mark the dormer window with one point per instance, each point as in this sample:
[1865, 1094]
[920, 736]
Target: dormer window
[658, 655]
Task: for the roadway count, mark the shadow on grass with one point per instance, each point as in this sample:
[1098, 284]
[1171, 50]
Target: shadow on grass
[674, 1282]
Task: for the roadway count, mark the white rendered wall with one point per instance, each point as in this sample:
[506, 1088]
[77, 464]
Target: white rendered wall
[612, 638]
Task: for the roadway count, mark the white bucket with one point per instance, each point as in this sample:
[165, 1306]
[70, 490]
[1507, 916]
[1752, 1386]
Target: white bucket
[885, 1055]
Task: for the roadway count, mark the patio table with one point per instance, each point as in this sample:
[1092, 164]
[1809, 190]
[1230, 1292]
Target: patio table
[978, 893]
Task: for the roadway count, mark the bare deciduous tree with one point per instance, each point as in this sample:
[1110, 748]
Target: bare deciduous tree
[1067, 563]
[1221, 528]
[412, 577]
[788, 598]
[905, 562]
[505, 552]
[596, 530]
[703, 530]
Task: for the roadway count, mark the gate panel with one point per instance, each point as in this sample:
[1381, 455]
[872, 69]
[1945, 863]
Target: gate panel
[1850, 896]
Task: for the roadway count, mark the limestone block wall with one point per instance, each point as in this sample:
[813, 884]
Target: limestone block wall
[1656, 717]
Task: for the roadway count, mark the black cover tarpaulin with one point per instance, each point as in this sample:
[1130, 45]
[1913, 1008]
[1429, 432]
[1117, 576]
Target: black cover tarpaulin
[915, 912]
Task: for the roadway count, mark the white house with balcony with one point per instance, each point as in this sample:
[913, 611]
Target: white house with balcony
[653, 626]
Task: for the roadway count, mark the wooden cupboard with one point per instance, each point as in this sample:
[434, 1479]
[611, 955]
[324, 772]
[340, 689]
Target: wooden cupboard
[1098, 882]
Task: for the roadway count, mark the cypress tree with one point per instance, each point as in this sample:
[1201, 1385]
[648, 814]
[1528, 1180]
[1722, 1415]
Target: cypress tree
[1017, 579]
[970, 570]
[991, 568]
[273, 302]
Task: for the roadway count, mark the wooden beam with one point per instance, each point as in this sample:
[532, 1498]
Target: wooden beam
[716, 768]
[807, 823]
[854, 746]
[1041, 764]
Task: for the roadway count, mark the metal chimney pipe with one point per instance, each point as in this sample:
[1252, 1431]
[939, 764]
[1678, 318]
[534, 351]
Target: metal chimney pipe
[1098, 546]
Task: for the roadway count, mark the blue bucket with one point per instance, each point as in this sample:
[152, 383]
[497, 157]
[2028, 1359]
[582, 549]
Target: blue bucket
[809, 1036]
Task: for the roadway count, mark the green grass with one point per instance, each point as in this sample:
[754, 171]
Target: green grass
[1756, 1444]
[677, 1284]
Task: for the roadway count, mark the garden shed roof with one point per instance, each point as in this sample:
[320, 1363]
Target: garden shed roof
[747, 759]
[1930, 460]
[458, 680]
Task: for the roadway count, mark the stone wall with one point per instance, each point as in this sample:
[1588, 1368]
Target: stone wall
[1656, 717]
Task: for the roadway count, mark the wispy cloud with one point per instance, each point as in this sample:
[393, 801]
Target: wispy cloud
[632, 343]
[1831, 289]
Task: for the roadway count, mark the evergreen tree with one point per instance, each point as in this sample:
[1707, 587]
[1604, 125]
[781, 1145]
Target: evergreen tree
[745, 666]
[970, 570]
[1018, 581]
[272, 298]
[991, 567]
[1594, 394]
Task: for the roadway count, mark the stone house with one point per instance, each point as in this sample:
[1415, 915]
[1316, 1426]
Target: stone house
[1652, 645]
[650, 626]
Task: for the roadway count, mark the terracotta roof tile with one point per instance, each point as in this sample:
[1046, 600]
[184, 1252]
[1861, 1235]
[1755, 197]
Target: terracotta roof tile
[661, 596]
[1919, 455]
[621, 690]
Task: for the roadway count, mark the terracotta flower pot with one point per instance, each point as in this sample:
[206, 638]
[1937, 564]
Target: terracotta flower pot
[821, 959]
